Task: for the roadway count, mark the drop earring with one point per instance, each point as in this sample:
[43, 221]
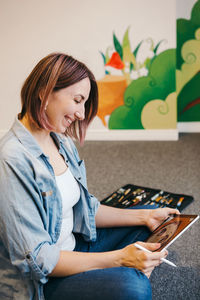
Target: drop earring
[46, 106]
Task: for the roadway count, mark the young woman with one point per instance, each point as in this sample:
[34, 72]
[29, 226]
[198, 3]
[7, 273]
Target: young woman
[56, 240]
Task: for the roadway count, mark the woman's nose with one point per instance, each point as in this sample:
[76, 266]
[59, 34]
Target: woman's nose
[80, 115]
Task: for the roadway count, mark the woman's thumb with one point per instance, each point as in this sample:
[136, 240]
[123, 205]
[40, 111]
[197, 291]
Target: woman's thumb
[151, 246]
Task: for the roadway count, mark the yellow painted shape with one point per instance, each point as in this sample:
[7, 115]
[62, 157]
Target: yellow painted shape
[160, 114]
[191, 55]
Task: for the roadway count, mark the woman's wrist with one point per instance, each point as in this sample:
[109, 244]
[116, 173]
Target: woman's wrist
[146, 216]
[140, 216]
[118, 258]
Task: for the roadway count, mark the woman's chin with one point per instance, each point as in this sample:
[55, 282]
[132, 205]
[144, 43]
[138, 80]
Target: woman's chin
[60, 130]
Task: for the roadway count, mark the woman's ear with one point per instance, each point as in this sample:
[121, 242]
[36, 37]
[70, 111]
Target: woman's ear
[41, 95]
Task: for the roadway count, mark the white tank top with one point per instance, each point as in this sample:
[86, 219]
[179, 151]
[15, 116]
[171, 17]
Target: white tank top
[70, 193]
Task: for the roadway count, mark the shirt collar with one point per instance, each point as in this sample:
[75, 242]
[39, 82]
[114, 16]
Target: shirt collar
[28, 140]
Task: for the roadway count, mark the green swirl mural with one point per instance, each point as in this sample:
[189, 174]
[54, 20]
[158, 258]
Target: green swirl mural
[158, 85]
[188, 67]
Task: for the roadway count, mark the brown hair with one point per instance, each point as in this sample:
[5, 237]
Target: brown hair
[54, 72]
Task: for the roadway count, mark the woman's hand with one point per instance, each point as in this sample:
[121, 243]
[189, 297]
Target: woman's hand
[142, 260]
[154, 217]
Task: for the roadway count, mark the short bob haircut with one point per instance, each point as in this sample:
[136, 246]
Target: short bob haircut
[54, 72]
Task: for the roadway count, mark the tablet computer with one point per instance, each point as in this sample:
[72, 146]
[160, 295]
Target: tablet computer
[171, 229]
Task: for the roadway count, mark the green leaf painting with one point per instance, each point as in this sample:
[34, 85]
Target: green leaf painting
[157, 46]
[118, 46]
[128, 56]
[137, 48]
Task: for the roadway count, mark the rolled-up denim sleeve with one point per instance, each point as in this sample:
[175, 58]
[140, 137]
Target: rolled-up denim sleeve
[44, 263]
[23, 229]
[95, 203]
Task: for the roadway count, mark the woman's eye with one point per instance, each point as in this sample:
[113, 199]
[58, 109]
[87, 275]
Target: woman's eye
[77, 101]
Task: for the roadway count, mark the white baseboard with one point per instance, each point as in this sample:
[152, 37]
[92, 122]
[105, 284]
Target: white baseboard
[128, 135]
[188, 126]
[133, 135]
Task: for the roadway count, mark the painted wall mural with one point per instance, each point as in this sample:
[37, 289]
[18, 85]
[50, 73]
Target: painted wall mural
[188, 66]
[138, 95]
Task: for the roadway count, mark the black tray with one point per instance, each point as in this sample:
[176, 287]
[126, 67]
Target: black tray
[132, 195]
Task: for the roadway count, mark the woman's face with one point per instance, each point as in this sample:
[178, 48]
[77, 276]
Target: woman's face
[67, 105]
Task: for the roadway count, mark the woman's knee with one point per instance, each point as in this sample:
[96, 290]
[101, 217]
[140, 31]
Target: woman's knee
[109, 284]
[133, 285]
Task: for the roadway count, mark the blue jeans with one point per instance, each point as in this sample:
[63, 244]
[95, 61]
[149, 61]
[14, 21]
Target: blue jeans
[120, 283]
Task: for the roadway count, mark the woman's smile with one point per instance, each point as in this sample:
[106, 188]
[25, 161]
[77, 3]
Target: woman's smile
[68, 121]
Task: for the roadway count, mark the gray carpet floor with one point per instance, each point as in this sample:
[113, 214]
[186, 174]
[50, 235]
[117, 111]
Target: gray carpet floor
[172, 166]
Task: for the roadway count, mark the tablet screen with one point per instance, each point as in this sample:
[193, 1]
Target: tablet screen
[171, 229]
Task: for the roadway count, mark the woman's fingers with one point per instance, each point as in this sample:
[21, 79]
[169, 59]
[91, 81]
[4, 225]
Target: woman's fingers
[143, 260]
[158, 255]
[151, 259]
[148, 272]
[174, 211]
[150, 246]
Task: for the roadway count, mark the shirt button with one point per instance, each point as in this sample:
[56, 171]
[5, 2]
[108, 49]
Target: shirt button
[79, 178]
[28, 256]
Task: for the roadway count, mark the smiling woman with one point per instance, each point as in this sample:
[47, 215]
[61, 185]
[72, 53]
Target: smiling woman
[51, 227]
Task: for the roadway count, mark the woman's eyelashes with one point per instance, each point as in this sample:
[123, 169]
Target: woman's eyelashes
[79, 98]
[77, 101]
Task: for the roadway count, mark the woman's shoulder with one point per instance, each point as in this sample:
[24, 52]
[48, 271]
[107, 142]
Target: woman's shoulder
[8, 145]
[11, 149]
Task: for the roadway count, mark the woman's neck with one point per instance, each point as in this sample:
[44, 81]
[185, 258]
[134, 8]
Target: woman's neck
[48, 146]
[41, 135]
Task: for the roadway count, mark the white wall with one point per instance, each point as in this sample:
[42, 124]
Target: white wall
[183, 8]
[31, 29]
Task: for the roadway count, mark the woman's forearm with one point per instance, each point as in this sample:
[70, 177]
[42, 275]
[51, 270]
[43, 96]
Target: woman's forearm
[111, 217]
[72, 262]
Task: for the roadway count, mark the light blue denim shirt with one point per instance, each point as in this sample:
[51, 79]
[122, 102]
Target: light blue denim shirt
[31, 212]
